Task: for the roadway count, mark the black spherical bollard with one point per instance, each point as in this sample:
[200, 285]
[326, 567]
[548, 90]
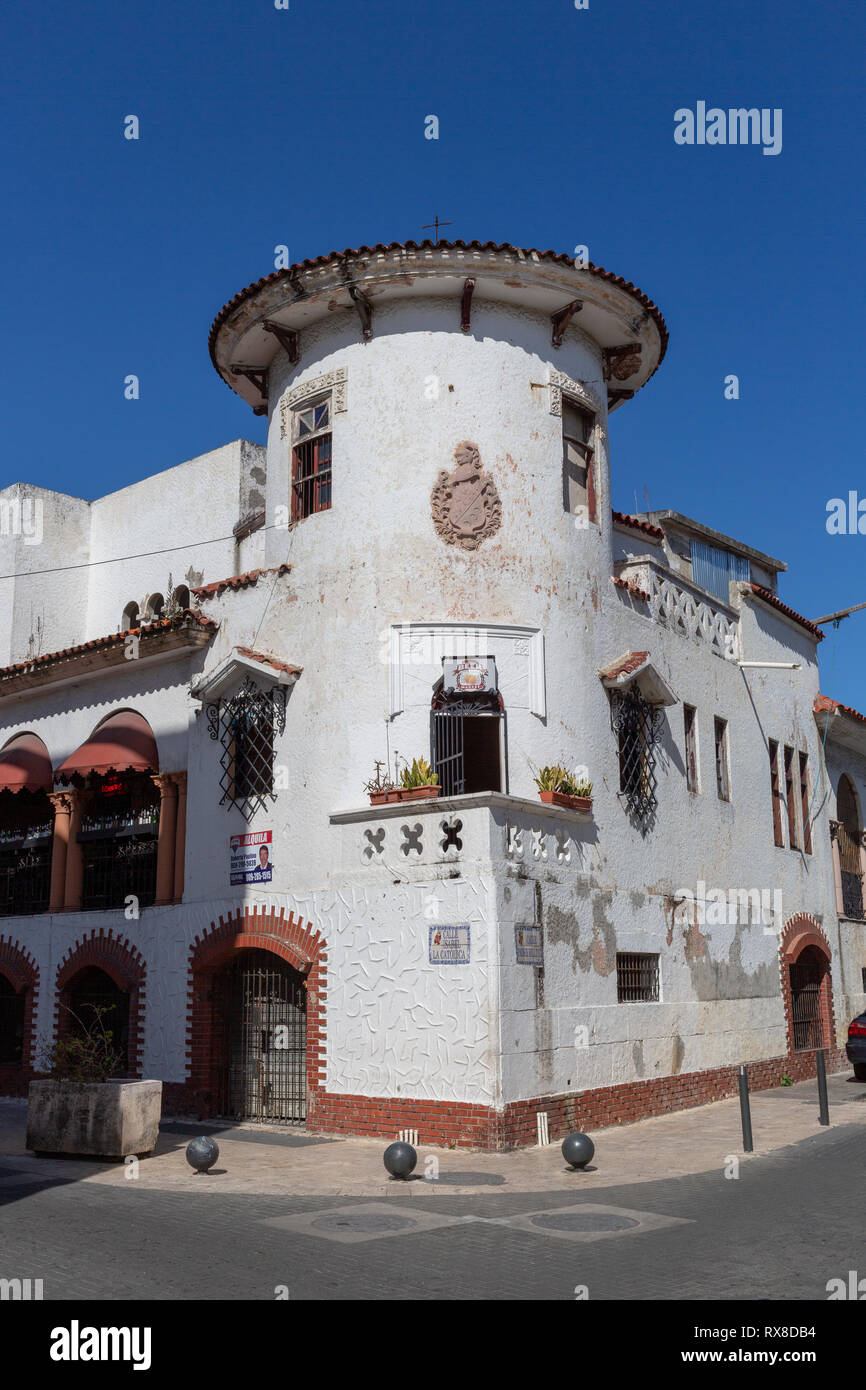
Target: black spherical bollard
[400, 1159]
[577, 1150]
[202, 1153]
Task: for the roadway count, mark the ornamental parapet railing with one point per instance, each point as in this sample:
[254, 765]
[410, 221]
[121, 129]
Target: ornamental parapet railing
[684, 608]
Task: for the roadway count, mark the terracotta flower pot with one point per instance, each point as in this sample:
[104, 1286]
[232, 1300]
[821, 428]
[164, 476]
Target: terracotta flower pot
[384, 798]
[575, 803]
[418, 793]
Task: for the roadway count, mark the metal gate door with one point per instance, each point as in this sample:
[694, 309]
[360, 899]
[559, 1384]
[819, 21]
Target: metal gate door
[267, 1040]
[806, 975]
[447, 742]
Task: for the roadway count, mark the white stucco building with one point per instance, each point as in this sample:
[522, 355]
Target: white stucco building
[435, 492]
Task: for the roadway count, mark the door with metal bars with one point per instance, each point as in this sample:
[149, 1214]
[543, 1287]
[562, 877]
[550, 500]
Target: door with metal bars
[807, 977]
[467, 740]
[266, 1040]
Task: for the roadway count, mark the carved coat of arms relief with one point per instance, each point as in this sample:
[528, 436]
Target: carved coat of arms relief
[465, 504]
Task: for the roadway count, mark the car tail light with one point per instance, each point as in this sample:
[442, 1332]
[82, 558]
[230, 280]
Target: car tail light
[857, 1029]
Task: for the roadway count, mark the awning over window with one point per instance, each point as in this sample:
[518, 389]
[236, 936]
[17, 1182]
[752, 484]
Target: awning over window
[123, 743]
[25, 765]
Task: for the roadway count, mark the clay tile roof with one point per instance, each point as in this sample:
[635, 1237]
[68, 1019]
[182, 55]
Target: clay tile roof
[631, 588]
[624, 666]
[783, 608]
[291, 272]
[270, 661]
[823, 704]
[634, 523]
[114, 639]
[237, 581]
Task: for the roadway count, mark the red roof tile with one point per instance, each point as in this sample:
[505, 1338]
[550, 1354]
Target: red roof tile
[237, 581]
[632, 588]
[113, 639]
[382, 249]
[634, 523]
[783, 608]
[824, 703]
[624, 666]
[270, 661]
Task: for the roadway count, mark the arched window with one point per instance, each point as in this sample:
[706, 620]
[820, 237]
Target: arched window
[180, 597]
[12, 1009]
[468, 740]
[93, 1000]
[153, 610]
[130, 617]
[850, 840]
[26, 824]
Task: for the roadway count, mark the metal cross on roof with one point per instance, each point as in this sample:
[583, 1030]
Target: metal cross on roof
[434, 226]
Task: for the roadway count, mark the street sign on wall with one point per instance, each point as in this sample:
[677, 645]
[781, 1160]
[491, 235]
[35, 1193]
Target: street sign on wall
[449, 945]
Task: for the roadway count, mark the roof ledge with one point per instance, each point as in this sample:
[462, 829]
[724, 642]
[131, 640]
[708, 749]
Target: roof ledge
[637, 667]
[243, 662]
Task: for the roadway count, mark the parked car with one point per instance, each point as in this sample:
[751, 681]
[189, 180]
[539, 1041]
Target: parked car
[856, 1046]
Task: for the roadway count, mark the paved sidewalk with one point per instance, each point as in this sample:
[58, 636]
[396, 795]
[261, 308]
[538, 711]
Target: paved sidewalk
[264, 1161]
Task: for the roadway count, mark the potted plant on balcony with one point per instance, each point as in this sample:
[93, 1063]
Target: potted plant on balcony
[382, 791]
[418, 781]
[84, 1107]
[557, 787]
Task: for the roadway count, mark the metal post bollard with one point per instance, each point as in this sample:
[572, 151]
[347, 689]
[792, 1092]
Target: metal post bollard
[821, 1071]
[745, 1113]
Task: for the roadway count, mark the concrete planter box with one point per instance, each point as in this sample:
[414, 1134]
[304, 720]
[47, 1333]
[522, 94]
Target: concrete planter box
[110, 1118]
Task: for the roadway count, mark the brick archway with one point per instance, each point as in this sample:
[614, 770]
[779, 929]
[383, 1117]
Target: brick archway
[290, 938]
[22, 972]
[123, 965]
[803, 933]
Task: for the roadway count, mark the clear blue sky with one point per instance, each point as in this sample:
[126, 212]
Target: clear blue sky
[261, 126]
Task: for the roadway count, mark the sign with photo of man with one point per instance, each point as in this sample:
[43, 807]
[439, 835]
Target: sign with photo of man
[250, 857]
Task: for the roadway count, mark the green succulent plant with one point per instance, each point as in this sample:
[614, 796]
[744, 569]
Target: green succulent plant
[557, 778]
[420, 774]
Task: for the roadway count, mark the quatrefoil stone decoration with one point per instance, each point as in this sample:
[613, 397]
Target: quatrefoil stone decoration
[413, 838]
[375, 842]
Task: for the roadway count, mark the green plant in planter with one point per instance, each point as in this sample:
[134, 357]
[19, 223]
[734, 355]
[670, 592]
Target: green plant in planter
[420, 774]
[557, 778]
[87, 1056]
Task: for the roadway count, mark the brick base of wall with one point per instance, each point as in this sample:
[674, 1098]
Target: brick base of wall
[454, 1125]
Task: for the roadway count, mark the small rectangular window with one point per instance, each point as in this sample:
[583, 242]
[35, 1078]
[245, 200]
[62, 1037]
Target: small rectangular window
[790, 800]
[805, 795]
[723, 773]
[776, 794]
[691, 729]
[311, 458]
[637, 978]
[578, 461]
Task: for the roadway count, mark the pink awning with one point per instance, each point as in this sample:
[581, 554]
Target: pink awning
[25, 765]
[123, 743]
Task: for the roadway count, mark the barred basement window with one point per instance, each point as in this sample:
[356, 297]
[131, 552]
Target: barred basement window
[637, 725]
[244, 725]
[637, 978]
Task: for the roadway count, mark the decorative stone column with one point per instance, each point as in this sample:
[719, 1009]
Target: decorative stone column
[180, 836]
[62, 803]
[165, 846]
[74, 876]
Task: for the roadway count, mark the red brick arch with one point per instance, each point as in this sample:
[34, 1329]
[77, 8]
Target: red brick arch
[250, 929]
[22, 972]
[124, 965]
[801, 932]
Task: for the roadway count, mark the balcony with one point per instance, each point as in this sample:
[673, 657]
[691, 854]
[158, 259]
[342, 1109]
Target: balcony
[434, 837]
[684, 608]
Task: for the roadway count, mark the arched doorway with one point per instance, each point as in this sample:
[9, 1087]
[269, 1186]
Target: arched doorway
[92, 998]
[806, 975]
[468, 741]
[264, 1044]
[12, 1011]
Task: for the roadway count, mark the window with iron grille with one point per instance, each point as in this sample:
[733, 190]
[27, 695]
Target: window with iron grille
[723, 771]
[776, 793]
[690, 719]
[637, 725]
[637, 978]
[244, 726]
[118, 838]
[311, 458]
[578, 461]
[26, 824]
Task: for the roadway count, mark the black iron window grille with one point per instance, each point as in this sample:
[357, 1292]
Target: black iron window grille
[637, 978]
[115, 869]
[637, 725]
[244, 726]
[806, 975]
[25, 880]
